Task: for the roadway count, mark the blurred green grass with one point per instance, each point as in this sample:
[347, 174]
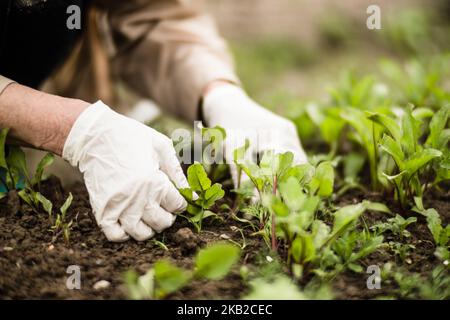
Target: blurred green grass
[285, 75]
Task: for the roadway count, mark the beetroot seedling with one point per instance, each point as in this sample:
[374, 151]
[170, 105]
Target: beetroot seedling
[201, 195]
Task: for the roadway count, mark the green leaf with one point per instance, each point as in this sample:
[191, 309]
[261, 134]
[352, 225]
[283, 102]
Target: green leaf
[422, 113]
[390, 124]
[394, 149]
[344, 218]
[443, 139]
[197, 177]
[46, 161]
[187, 194]
[434, 224]
[303, 249]
[437, 126]
[283, 163]
[369, 246]
[355, 267]
[131, 278]
[66, 204]
[420, 159]
[330, 128]
[254, 173]
[144, 287]
[323, 180]
[203, 214]
[395, 177]
[282, 288]
[3, 135]
[213, 194]
[194, 209]
[46, 204]
[276, 205]
[410, 132]
[376, 206]
[292, 194]
[16, 159]
[267, 164]
[353, 164]
[25, 196]
[169, 278]
[303, 173]
[215, 262]
[320, 232]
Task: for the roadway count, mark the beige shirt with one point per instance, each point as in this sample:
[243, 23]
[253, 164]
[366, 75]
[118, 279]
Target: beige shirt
[167, 50]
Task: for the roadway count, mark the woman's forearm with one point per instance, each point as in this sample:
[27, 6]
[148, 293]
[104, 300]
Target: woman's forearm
[38, 119]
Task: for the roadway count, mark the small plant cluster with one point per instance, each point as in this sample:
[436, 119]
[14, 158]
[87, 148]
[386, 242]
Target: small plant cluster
[295, 196]
[295, 215]
[404, 148]
[292, 212]
[14, 175]
[164, 278]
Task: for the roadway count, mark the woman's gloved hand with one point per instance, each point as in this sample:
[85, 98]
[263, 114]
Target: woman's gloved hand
[229, 107]
[129, 170]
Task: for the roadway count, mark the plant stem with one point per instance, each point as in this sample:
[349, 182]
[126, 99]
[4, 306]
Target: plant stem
[273, 233]
[373, 161]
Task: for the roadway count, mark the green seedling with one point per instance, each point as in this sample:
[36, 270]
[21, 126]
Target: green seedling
[396, 225]
[349, 249]
[401, 143]
[14, 164]
[211, 263]
[280, 287]
[363, 93]
[307, 238]
[353, 164]
[441, 234]
[435, 286]
[272, 172]
[419, 82]
[201, 195]
[402, 250]
[366, 134]
[61, 226]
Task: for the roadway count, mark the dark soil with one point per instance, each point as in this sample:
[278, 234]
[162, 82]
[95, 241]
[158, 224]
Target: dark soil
[350, 285]
[34, 265]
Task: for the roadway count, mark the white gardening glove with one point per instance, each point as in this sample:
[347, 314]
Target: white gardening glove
[229, 107]
[128, 170]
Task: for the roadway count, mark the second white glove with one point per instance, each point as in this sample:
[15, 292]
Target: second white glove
[229, 107]
[129, 170]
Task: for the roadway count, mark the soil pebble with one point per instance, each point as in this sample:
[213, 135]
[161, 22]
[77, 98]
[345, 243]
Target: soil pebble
[187, 240]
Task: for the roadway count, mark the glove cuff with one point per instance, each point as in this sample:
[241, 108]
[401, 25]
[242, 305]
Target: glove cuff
[80, 134]
[216, 97]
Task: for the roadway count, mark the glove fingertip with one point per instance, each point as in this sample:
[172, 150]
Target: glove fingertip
[115, 233]
[142, 232]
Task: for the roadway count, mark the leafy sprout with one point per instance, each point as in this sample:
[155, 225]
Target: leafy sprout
[201, 195]
[164, 278]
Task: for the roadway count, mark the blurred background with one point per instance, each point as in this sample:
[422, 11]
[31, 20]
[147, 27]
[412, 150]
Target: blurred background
[290, 52]
[300, 47]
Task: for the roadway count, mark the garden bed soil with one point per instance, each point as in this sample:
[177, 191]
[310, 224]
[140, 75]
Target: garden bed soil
[34, 265]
